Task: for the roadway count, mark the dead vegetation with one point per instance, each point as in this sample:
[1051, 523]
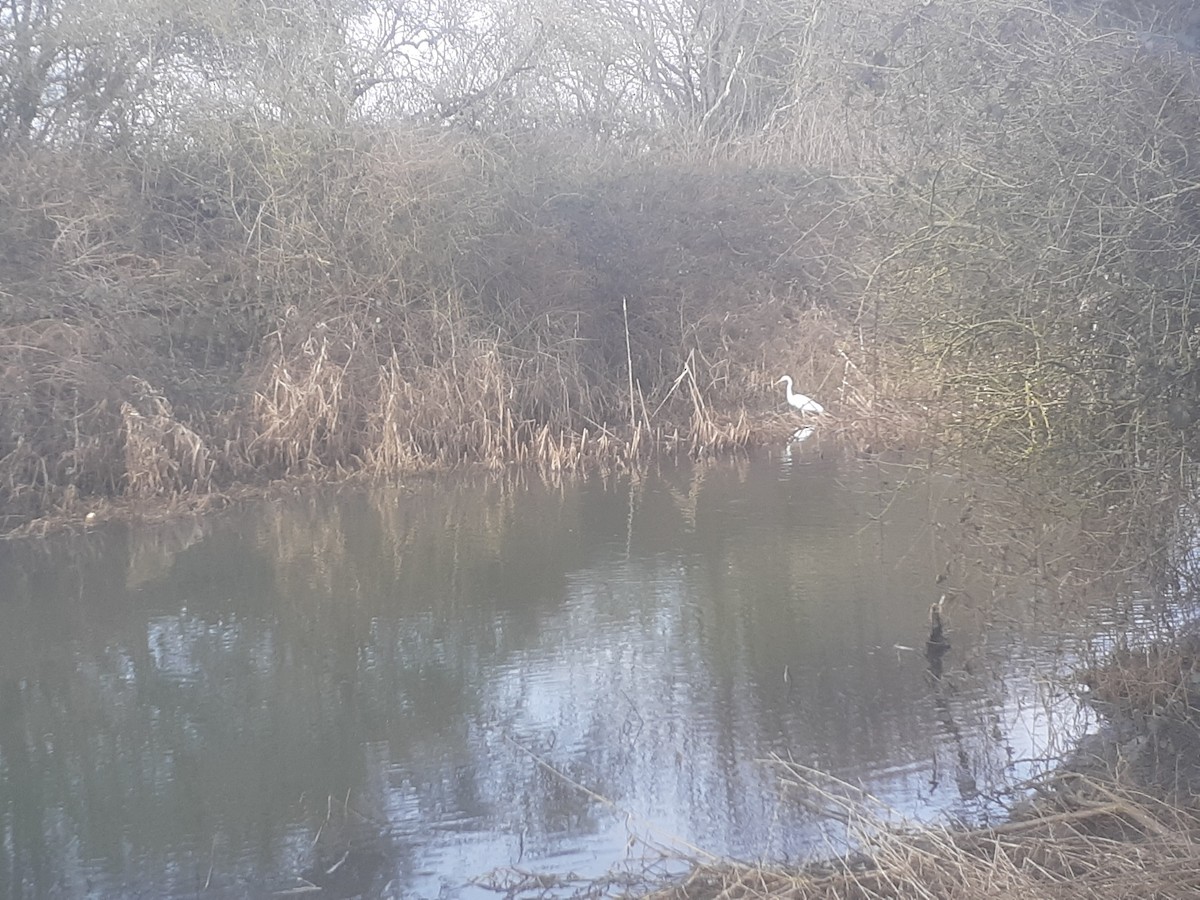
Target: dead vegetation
[156, 352]
[971, 223]
[1108, 843]
[1073, 834]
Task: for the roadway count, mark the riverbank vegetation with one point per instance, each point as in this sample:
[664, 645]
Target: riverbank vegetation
[242, 244]
[1099, 840]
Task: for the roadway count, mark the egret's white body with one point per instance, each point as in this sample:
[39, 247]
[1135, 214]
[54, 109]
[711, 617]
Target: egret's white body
[806, 405]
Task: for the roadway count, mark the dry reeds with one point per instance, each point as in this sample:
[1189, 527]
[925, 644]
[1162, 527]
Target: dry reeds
[402, 305]
[1154, 688]
[59, 396]
[342, 399]
[1092, 840]
[255, 303]
[163, 456]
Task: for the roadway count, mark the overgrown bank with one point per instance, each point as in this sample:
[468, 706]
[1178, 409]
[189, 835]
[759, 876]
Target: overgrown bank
[989, 216]
[975, 223]
[473, 304]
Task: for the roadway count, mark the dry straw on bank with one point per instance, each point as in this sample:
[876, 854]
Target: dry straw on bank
[371, 298]
[1086, 839]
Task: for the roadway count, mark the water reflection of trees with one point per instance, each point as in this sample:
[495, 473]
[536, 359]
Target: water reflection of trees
[405, 648]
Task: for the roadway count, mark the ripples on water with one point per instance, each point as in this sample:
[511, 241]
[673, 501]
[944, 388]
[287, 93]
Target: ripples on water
[394, 691]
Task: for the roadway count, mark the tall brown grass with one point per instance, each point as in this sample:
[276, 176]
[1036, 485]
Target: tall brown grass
[1088, 839]
[254, 305]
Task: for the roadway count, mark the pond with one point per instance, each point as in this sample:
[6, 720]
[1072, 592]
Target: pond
[395, 691]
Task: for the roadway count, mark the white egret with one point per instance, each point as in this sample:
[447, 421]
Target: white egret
[806, 405]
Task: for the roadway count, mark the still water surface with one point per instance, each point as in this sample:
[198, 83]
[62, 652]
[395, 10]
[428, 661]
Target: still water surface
[359, 688]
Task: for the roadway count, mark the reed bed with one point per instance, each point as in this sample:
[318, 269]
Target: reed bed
[1085, 838]
[345, 393]
[254, 307]
[1161, 678]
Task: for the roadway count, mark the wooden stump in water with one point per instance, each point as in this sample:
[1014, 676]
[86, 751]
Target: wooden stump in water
[938, 643]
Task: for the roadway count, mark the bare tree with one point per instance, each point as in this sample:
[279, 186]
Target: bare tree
[73, 71]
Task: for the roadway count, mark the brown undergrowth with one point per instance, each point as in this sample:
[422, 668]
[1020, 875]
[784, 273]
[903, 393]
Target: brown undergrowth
[1161, 679]
[254, 307]
[1150, 693]
[1084, 837]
